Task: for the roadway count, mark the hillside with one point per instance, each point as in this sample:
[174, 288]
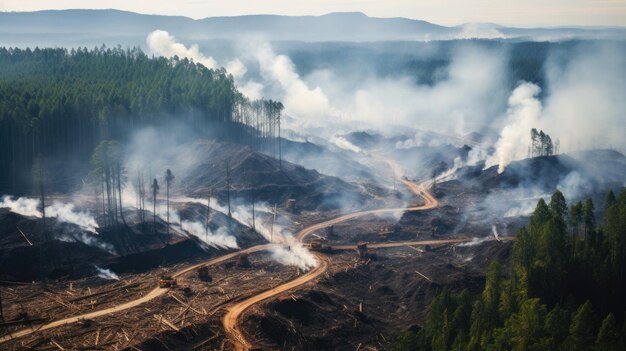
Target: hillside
[259, 175]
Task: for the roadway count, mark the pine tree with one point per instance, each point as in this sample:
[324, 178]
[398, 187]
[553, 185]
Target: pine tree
[155, 192]
[582, 331]
[609, 338]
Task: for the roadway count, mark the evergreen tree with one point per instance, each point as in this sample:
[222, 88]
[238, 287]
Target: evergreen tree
[609, 338]
[169, 177]
[582, 330]
[589, 218]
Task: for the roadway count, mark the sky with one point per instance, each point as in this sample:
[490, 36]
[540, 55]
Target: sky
[522, 13]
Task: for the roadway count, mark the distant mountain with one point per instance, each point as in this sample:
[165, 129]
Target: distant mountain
[86, 27]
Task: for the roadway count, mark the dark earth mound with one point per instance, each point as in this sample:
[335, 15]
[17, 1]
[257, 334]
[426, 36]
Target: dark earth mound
[267, 179]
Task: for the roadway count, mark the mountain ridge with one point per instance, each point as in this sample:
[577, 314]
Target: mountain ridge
[77, 24]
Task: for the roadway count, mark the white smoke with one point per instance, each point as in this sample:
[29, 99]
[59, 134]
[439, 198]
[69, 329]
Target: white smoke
[343, 143]
[236, 68]
[23, 205]
[586, 106]
[475, 242]
[494, 231]
[523, 115]
[162, 43]
[293, 255]
[287, 251]
[63, 212]
[88, 239]
[67, 213]
[106, 273]
[480, 31]
[220, 238]
[299, 99]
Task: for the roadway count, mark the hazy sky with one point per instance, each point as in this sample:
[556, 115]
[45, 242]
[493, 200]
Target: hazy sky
[447, 12]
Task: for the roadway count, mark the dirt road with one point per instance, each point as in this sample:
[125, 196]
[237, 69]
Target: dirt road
[130, 304]
[231, 319]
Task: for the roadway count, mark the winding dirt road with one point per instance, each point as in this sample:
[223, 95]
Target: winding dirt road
[130, 304]
[231, 319]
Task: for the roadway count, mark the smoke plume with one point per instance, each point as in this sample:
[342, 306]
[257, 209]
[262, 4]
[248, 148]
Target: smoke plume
[522, 115]
[106, 273]
[65, 213]
[162, 43]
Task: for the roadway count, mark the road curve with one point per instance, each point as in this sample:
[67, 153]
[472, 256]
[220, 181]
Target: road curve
[231, 319]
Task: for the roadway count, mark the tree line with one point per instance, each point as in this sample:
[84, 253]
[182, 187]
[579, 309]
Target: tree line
[542, 145]
[61, 104]
[564, 291]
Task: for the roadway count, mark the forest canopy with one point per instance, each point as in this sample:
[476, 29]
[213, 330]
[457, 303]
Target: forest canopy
[564, 289]
[61, 103]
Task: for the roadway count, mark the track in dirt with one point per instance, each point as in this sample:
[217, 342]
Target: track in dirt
[231, 319]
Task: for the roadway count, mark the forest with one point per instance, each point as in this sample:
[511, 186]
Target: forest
[61, 103]
[564, 289]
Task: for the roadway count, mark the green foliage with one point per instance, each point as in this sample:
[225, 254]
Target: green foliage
[609, 338]
[558, 289]
[63, 103]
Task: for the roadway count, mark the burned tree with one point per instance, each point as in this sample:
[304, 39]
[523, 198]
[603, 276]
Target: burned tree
[140, 191]
[106, 162]
[230, 216]
[208, 215]
[169, 178]
[40, 179]
[155, 191]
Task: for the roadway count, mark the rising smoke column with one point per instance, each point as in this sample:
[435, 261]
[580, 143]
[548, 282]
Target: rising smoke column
[106, 273]
[163, 44]
[299, 98]
[522, 115]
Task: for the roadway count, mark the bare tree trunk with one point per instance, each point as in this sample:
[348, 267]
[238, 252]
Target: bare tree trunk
[167, 192]
[228, 187]
[119, 190]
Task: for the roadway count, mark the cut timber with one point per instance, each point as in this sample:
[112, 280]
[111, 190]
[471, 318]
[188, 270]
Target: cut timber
[425, 277]
[162, 319]
[97, 337]
[56, 344]
[104, 292]
[24, 235]
[186, 305]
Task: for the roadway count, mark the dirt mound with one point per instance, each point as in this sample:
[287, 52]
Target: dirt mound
[364, 140]
[296, 309]
[259, 176]
[337, 163]
[544, 171]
